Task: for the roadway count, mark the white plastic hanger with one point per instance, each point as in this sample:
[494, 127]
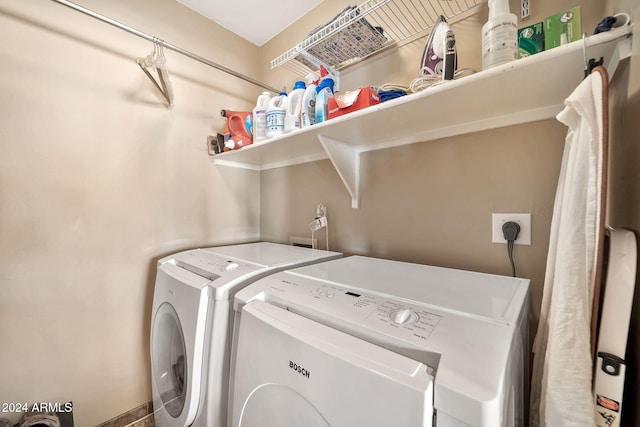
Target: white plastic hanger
[157, 60]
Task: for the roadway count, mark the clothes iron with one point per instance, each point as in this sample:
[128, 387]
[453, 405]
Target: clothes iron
[440, 56]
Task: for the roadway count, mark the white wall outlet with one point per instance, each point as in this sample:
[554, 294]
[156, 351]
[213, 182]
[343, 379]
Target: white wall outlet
[522, 219]
[525, 11]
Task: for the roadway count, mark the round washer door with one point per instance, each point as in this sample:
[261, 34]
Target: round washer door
[281, 406]
[170, 359]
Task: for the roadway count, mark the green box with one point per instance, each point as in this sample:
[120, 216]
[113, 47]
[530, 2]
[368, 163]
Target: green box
[531, 39]
[562, 28]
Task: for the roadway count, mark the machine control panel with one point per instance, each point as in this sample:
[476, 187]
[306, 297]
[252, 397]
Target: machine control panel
[409, 322]
[209, 265]
[342, 305]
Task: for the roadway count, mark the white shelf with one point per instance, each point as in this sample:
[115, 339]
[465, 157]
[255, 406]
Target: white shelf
[527, 90]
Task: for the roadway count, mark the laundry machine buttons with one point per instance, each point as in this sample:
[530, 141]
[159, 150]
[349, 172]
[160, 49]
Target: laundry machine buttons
[323, 293]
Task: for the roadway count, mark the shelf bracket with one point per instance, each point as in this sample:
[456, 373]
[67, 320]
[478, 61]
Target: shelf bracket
[346, 159]
[622, 51]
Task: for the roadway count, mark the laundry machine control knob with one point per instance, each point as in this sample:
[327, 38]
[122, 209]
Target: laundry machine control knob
[232, 266]
[403, 315]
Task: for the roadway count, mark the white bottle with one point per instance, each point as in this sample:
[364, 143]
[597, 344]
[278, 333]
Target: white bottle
[499, 35]
[308, 112]
[294, 107]
[275, 115]
[324, 92]
[260, 118]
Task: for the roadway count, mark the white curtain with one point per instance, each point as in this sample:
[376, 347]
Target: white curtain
[562, 369]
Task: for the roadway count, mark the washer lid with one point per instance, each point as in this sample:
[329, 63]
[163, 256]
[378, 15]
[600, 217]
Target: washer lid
[266, 254]
[231, 267]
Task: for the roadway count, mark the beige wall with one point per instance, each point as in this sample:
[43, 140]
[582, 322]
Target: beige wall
[97, 180]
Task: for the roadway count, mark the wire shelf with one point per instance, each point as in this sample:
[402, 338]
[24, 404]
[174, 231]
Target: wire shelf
[359, 32]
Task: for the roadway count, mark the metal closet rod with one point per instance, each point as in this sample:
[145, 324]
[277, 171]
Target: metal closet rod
[164, 44]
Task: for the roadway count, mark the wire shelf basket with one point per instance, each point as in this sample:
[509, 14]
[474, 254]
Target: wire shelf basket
[359, 32]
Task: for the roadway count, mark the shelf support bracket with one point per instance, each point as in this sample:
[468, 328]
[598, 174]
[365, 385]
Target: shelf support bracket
[346, 159]
[622, 51]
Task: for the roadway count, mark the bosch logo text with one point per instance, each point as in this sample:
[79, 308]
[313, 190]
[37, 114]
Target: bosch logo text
[299, 369]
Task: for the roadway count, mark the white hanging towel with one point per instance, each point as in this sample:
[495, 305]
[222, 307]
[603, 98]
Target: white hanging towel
[561, 393]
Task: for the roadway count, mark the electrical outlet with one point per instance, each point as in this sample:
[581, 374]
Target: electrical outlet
[318, 223]
[522, 219]
[304, 242]
[211, 144]
[525, 11]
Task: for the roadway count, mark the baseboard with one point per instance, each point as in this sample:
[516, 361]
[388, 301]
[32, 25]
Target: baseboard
[129, 417]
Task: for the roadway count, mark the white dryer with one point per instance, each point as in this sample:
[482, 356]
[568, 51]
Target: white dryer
[191, 325]
[368, 342]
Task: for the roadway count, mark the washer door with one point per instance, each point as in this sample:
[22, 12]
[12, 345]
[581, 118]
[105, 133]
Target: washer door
[290, 371]
[170, 359]
[264, 408]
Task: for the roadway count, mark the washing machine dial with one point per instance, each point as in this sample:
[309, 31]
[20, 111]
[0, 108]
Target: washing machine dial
[403, 316]
[231, 266]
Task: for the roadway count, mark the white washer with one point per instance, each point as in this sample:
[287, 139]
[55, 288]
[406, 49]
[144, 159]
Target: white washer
[368, 342]
[191, 325]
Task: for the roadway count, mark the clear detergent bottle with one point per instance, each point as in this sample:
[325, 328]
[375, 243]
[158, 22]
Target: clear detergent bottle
[275, 115]
[324, 92]
[499, 35]
[294, 107]
[260, 117]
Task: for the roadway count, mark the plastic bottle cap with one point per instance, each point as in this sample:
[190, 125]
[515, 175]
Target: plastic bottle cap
[321, 86]
[311, 78]
[327, 82]
[299, 85]
[498, 8]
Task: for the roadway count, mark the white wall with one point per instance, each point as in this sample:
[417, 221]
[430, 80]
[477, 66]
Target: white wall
[98, 179]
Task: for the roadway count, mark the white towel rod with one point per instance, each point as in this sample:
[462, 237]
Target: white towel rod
[164, 44]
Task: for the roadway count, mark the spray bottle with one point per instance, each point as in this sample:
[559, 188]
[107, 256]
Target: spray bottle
[499, 35]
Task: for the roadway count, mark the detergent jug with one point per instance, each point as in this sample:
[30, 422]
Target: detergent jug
[294, 107]
[275, 115]
[260, 117]
[324, 91]
[308, 112]
[239, 128]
